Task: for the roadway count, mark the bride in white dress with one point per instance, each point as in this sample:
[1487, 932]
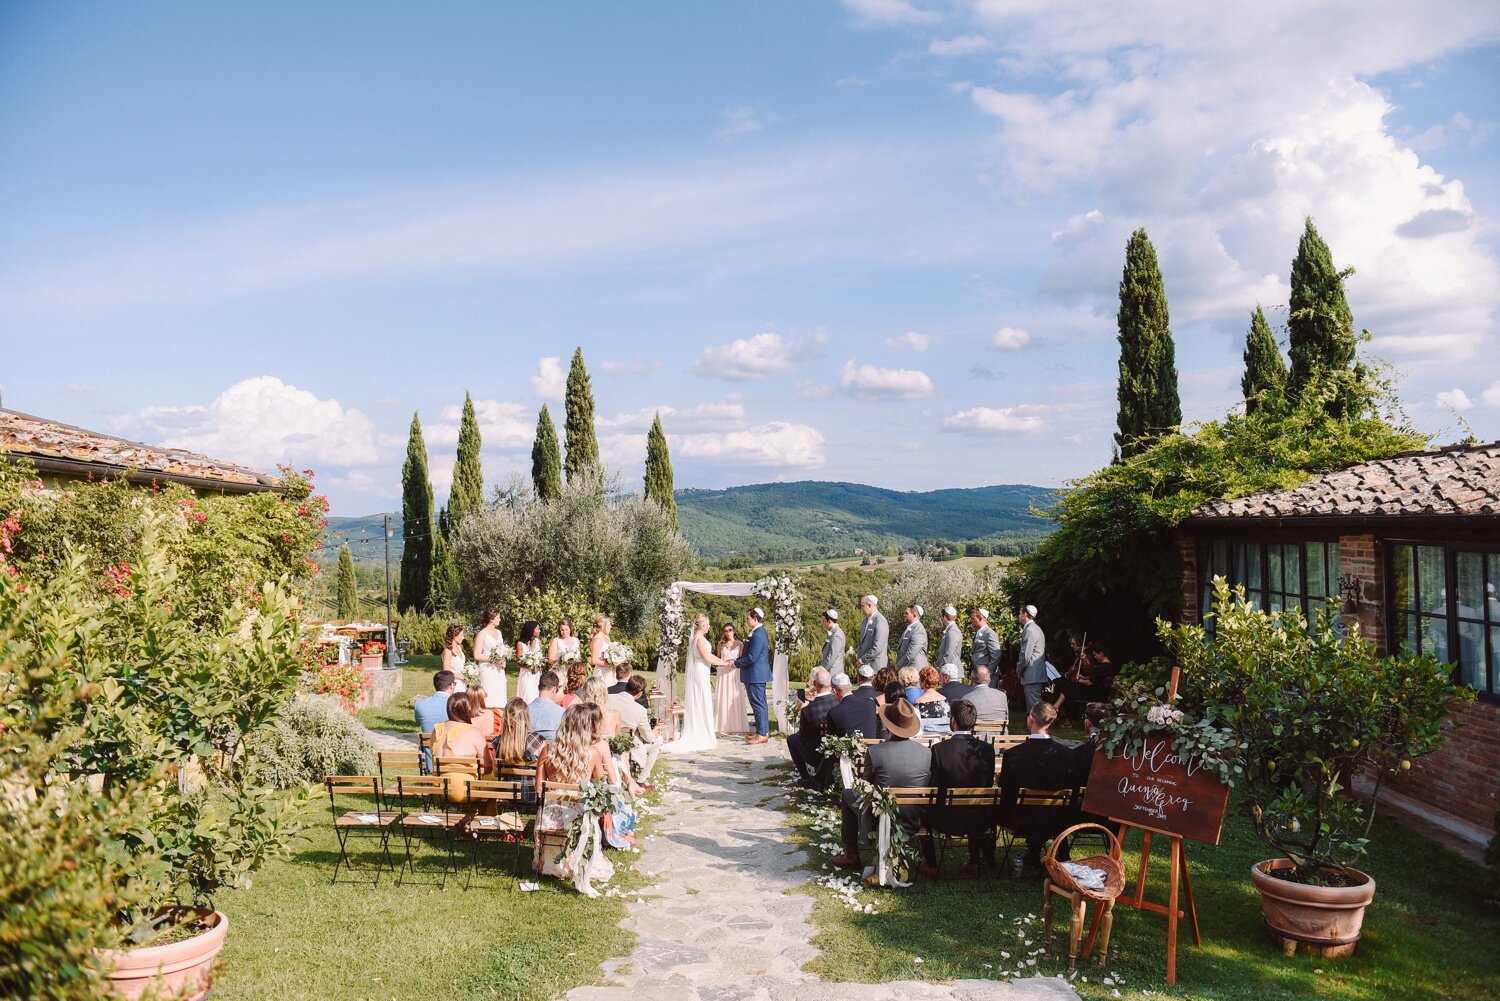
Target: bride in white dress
[698, 700]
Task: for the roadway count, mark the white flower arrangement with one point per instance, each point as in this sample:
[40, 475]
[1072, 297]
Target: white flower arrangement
[672, 619]
[570, 656]
[534, 660]
[500, 655]
[617, 654]
[786, 610]
[1164, 716]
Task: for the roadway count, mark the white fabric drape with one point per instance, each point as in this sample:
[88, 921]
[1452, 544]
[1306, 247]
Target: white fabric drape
[589, 847]
[883, 872]
[780, 686]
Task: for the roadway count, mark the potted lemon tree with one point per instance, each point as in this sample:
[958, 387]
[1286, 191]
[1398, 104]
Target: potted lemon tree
[1310, 707]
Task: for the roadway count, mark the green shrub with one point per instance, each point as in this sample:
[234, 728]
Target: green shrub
[312, 737]
[423, 631]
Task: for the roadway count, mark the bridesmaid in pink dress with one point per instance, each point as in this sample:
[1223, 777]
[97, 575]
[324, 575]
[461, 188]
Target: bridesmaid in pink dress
[731, 704]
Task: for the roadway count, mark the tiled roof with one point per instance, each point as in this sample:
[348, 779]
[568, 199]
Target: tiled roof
[63, 448]
[1459, 481]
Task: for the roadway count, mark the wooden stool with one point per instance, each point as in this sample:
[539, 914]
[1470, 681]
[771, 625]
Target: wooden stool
[1060, 883]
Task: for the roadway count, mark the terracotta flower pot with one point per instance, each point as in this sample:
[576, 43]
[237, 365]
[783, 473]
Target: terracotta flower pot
[1323, 919]
[182, 971]
[371, 661]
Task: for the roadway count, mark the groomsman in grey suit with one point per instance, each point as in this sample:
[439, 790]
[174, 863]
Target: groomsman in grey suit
[912, 650]
[1032, 663]
[833, 645]
[874, 636]
[986, 649]
[951, 643]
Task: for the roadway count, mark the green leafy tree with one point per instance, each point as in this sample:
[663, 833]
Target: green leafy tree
[1149, 404]
[659, 471]
[546, 462]
[1265, 369]
[444, 582]
[578, 422]
[418, 527]
[1320, 327]
[348, 595]
[467, 495]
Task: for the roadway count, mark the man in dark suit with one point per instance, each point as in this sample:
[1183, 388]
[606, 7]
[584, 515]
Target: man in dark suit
[805, 746]
[1039, 762]
[962, 762]
[865, 685]
[853, 716]
[897, 763]
[953, 687]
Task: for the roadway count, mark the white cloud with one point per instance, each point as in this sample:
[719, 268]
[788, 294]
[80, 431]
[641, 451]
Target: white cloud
[777, 444]
[887, 383]
[550, 380]
[1455, 399]
[630, 367]
[807, 390]
[963, 45]
[260, 422]
[718, 414]
[743, 119]
[1010, 339]
[1024, 419]
[890, 12]
[910, 339]
[1491, 396]
[749, 358]
[503, 427]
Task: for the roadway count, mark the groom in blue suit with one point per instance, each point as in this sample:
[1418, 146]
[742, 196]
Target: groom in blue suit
[755, 671]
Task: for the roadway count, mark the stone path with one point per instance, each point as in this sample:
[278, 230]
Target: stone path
[717, 925]
[392, 740]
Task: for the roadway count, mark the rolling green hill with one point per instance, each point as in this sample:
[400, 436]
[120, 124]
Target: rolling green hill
[812, 520]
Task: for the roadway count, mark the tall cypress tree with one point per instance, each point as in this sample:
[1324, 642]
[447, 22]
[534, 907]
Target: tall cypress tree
[1148, 359]
[442, 587]
[1265, 369]
[659, 470]
[1320, 328]
[418, 528]
[348, 592]
[578, 420]
[467, 495]
[546, 463]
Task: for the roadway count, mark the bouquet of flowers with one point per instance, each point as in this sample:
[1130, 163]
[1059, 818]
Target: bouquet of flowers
[534, 660]
[472, 678]
[500, 655]
[617, 654]
[569, 657]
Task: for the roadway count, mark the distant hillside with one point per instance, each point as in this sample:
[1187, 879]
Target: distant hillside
[810, 520]
[779, 521]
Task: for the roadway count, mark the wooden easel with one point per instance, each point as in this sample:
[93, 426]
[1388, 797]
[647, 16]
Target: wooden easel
[1179, 881]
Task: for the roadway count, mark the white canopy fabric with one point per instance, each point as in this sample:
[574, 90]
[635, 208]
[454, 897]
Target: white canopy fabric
[780, 688]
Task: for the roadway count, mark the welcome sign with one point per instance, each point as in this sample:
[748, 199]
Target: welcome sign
[1156, 790]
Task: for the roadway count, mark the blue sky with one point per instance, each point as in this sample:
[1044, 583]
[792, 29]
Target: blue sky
[873, 240]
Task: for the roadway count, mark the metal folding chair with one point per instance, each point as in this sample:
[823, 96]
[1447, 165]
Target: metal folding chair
[393, 763]
[369, 820]
[496, 813]
[425, 810]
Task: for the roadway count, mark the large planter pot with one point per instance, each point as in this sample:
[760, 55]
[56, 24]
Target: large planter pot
[182, 971]
[1325, 920]
[371, 661]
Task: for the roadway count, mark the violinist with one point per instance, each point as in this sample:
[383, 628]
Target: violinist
[1088, 680]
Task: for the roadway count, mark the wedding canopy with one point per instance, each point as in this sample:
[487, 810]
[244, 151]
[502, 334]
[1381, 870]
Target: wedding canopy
[786, 614]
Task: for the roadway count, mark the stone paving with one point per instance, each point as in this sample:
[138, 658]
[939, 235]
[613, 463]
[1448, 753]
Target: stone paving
[718, 925]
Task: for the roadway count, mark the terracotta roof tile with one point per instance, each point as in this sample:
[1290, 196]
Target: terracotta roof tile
[42, 440]
[1456, 481]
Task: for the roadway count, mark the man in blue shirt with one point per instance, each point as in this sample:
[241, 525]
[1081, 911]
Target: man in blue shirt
[434, 709]
[546, 714]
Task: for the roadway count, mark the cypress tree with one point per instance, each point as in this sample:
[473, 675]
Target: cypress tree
[659, 470]
[348, 593]
[1265, 369]
[578, 420]
[467, 495]
[418, 528]
[1320, 328]
[1148, 359]
[546, 464]
[443, 585]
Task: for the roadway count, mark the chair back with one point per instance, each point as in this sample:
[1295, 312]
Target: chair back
[920, 796]
[1038, 798]
[973, 796]
[1000, 727]
[393, 763]
[559, 790]
[352, 786]
[421, 790]
[1003, 742]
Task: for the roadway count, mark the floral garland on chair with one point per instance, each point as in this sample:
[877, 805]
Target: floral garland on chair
[596, 799]
[901, 850]
[843, 749]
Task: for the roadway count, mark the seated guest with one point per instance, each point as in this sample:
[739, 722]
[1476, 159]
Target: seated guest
[881, 684]
[575, 755]
[572, 690]
[1039, 762]
[866, 688]
[546, 713]
[1094, 715]
[633, 719]
[897, 763]
[962, 762]
[989, 703]
[623, 674]
[805, 746]
[458, 737]
[854, 716]
[434, 708]
[596, 693]
[911, 681]
[486, 719]
[931, 707]
[953, 687]
[510, 745]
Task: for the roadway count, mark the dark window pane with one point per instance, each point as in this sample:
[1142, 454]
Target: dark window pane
[1273, 568]
[1292, 568]
[1317, 577]
[1494, 685]
[1468, 601]
[1432, 583]
[1403, 577]
[1434, 630]
[1471, 654]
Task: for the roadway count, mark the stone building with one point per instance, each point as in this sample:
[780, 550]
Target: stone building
[1409, 549]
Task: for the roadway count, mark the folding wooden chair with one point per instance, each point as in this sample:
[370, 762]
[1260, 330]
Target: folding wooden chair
[920, 797]
[524, 774]
[393, 763]
[549, 843]
[367, 820]
[989, 728]
[496, 813]
[460, 771]
[425, 809]
[985, 799]
[1030, 800]
[424, 747]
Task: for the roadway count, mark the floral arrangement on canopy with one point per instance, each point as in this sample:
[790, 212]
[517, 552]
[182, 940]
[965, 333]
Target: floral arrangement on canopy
[672, 618]
[786, 610]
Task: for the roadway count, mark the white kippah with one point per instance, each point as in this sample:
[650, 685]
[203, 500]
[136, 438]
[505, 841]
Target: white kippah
[832, 615]
[950, 611]
[918, 610]
[841, 680]
[983, 613]
[758, 613]
[866, 671]
[871, 599]
[1031, 610]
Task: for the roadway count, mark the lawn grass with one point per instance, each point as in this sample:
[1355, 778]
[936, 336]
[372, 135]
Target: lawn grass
[293, 935]
[416, 681]
[1429, 934]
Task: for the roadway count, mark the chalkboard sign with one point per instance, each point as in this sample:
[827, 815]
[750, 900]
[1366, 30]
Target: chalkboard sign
[1155, 790]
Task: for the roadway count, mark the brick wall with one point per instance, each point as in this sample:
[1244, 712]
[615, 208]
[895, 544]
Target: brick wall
[1362, 558]
[1463, 778]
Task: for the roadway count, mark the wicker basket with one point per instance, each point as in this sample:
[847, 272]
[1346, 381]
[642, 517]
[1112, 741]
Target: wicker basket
[1114, 872]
